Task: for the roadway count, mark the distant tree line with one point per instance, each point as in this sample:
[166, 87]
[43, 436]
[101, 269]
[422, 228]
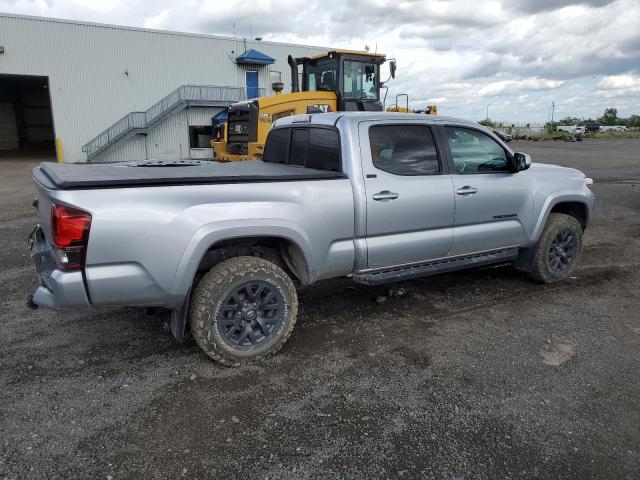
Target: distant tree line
[609, 117]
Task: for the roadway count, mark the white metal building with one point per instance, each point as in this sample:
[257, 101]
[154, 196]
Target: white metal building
[110, 93]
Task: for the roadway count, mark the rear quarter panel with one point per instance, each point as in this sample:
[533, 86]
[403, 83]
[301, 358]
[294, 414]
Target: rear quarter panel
[146, 243]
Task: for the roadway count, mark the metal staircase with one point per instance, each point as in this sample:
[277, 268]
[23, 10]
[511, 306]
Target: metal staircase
[182, 97]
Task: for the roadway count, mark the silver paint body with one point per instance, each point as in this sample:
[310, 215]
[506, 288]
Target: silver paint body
[146, 243]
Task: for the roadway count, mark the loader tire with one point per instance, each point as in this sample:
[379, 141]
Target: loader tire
[243, 310]
[558, 250]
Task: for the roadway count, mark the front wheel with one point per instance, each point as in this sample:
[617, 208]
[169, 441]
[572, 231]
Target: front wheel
[243, 310]
[559, 249]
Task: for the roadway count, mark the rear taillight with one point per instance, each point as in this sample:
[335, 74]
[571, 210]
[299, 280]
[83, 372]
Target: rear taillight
[70, 234]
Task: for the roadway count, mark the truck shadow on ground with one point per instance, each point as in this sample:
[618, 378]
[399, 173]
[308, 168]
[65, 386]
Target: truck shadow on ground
[337, 314]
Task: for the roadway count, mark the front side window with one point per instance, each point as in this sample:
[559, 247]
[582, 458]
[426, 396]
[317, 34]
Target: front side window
[475, 152]
[404, 149]
[321, 76]
[360, 80]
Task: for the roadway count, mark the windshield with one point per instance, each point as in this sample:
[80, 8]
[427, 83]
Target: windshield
[360, 80]
[321, 76]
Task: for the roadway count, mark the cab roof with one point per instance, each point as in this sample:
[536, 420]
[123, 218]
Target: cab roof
[345, 52]
[332, 118]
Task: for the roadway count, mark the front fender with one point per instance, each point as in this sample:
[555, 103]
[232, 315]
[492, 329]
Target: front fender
[555, 198]
[214, 232]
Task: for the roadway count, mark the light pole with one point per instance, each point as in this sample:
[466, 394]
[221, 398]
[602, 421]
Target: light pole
[488, 105]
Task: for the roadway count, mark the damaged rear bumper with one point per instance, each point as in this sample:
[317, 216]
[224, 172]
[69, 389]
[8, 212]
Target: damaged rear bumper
[57, 289]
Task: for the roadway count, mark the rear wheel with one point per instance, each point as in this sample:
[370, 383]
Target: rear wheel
[243, 310]
[559, 249]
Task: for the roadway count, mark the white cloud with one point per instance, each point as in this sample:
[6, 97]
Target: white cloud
[619, 82]
[519, 55]
[515, 87]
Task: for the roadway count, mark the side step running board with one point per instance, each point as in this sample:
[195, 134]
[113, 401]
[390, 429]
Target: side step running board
[436, 266]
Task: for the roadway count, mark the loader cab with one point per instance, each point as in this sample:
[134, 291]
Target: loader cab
[353, 76]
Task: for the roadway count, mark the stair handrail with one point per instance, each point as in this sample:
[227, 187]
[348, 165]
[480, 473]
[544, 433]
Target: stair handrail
[141, 120]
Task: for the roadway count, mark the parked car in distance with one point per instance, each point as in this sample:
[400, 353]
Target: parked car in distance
[613, 128]
[378, 197]
[592, 127]
[578, 130]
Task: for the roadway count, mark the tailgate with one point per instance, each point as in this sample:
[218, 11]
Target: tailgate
[57, 288]
[43, 202]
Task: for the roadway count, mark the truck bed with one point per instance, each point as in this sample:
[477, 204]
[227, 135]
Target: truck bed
[171, 172]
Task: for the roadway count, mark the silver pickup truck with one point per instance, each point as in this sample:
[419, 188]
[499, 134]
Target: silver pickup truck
[379, 197]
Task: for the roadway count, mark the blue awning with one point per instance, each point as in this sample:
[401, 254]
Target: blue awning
[254, 57]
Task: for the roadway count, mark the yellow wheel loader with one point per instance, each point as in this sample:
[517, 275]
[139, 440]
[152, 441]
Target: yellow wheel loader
[428, 110]
[339, 80]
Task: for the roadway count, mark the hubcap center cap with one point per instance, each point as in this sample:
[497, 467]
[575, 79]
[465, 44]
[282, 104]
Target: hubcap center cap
[250, 314]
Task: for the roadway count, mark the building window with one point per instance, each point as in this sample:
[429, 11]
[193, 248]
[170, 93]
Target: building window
[200, 136]
[274, 77]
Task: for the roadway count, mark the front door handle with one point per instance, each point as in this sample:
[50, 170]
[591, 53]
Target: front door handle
[385, 195]
[466, 191]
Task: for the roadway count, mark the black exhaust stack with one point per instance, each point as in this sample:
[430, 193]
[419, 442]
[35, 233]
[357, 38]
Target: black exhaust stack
[294, 74]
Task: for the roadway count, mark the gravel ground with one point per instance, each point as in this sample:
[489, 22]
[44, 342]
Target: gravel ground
[480, 374]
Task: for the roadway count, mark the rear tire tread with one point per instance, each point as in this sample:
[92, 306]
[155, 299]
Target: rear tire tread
[210, 289]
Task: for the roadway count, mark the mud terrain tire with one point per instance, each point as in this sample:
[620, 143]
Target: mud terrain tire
[558, 250]
[243, 310]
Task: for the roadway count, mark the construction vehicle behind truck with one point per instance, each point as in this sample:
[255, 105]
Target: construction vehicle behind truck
[428, 110]
[339, 80]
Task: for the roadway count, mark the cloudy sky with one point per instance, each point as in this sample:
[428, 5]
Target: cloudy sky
[517, 56]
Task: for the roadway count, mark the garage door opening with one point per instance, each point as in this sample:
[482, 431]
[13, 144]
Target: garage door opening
[26, 122]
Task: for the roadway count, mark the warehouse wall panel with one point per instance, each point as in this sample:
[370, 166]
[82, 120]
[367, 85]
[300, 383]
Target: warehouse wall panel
[99, 73]
[201, 115]
[130, 148]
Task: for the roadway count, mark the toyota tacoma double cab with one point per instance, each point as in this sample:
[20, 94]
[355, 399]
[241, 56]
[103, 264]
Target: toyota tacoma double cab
[375, 196]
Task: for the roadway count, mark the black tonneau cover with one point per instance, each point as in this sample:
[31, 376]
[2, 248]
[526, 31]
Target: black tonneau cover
[181, 172]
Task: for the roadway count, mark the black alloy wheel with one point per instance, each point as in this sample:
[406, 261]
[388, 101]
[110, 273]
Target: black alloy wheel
[252, 313]
[562, 249]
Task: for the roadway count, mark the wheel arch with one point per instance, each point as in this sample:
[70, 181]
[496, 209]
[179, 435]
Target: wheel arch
[212, 244]
[570, 203]
[280, 250]
[578, 210]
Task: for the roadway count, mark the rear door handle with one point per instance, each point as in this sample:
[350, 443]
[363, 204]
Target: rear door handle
[385, 195]
[466, 191]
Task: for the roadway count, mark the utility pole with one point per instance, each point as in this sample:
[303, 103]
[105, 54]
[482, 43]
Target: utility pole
[488, 105]
[553, 109]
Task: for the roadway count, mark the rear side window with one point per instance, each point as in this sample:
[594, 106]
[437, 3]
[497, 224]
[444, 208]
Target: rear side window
[317, 148]
[277, 146]
[299, 144]
[404, 149]
[324, 149]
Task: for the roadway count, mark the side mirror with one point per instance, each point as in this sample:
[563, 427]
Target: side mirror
[392, 68]
[522, 161]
